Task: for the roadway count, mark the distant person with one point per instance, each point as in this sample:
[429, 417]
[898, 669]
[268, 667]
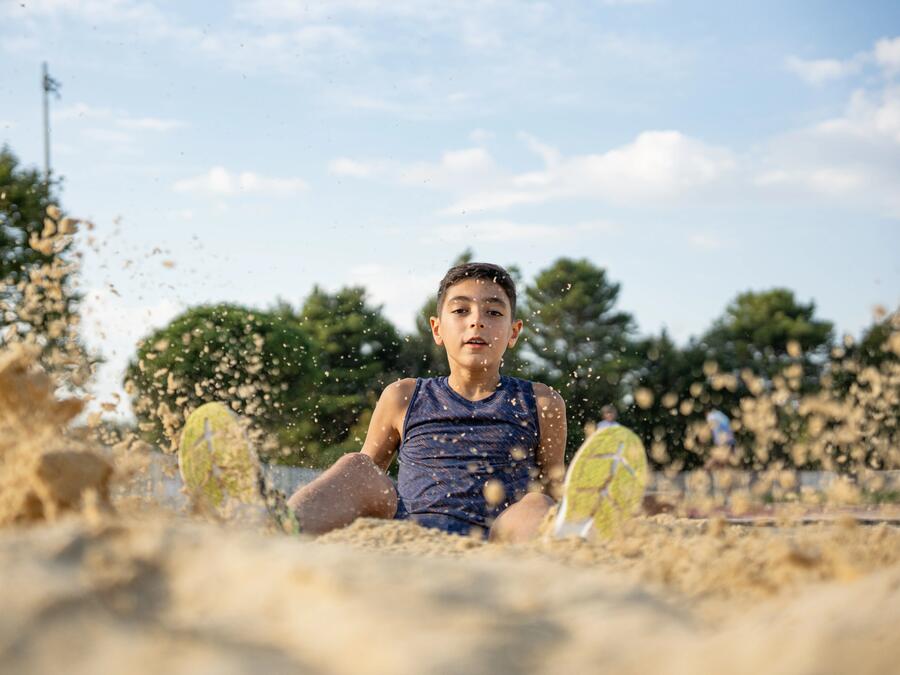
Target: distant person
[722, 440]
[608, 417]
[478, 451]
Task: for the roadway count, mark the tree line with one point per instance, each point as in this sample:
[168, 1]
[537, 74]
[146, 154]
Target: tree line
[311, 374]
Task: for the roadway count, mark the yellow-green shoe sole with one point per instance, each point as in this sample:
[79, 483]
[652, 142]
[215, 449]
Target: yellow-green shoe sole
[604, 485]
[215, 458]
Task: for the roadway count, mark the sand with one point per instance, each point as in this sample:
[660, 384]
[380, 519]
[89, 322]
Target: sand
[171, 594]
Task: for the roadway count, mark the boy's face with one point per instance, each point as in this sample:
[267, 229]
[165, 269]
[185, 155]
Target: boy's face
[475, 324]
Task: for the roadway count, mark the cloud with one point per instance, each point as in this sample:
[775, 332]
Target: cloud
[219, 181]
[887, 54]
[118, 118]
[656, 166]
[869, 115]
[344, 166]
[820, 71]
[456, 170]
[853, 159]
[401, 291]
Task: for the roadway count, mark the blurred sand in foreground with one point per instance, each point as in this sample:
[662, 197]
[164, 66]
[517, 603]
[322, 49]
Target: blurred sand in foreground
[156, 593]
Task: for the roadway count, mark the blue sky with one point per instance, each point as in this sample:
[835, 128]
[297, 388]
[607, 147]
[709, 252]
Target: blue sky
[694, 149]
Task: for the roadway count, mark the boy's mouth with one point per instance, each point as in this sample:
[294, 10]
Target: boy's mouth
[476, 342]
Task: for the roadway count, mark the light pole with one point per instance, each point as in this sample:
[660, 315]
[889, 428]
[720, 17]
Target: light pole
[49, 85]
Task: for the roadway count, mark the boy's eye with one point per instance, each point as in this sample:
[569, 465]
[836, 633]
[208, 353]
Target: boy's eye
[456, 311]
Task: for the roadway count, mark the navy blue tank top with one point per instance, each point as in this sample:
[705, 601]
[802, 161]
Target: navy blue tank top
[453, 446]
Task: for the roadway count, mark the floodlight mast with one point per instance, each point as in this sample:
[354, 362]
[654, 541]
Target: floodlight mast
[49, 86]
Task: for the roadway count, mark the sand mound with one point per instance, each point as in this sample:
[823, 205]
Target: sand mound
[163, 596]
[43, 471]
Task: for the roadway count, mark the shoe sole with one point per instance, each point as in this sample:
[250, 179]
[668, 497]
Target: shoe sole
[604, 485]
[215, 458]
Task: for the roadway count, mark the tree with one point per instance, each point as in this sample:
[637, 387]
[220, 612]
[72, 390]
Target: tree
[24, 198]
[666, 397]
[773, 351]
[577, 341]
[257, 362]
[767, 331]
[356, 355]
[863, 381]
[38, 300]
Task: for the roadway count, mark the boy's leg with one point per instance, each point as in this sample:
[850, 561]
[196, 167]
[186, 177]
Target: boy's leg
[352, 487]
[520, 522]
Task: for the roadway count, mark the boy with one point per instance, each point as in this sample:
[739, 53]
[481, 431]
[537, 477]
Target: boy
[476, 449]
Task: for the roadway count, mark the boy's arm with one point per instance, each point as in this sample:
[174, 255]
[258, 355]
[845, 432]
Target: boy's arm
[551, 411]
[386, 425]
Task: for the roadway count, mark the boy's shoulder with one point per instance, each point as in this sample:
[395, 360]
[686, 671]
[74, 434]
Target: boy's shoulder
[400, 391]
[546, 396]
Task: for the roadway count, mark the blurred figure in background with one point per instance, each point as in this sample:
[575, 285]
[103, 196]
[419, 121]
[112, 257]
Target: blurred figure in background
[722, 439]
[608, 417]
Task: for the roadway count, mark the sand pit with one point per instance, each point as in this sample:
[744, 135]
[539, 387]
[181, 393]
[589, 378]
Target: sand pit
[173, 595]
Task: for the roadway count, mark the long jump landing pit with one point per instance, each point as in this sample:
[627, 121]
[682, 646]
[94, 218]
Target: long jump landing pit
[157, 592]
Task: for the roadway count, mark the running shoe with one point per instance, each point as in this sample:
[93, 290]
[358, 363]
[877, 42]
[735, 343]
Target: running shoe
[604, 485]
[220, 469]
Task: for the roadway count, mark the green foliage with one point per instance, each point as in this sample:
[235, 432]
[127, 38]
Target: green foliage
[24, 198]
[357, 352]
[258, 362]
[667, 372]
[758, 330]
[312, 376]
[775, 348]
[576, 340]
[38, 300]
[865, 375]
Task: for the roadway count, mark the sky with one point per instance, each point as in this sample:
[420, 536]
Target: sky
[244, 151]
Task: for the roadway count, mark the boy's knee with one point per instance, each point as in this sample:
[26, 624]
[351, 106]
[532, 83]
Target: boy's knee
[355, 461]
[537, 500]
[381, 499]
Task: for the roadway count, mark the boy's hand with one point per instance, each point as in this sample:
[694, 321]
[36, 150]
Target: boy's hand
[551, 410]
[386, 425]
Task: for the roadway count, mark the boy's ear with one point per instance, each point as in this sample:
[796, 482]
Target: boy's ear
[435, 330]
[514, 336]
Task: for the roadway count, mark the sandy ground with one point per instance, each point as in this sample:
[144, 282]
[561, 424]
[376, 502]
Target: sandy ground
[158, 592]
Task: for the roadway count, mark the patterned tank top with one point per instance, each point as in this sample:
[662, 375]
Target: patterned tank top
[452, 447]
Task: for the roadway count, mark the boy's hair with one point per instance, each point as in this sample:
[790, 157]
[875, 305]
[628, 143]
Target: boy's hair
[478, 270]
